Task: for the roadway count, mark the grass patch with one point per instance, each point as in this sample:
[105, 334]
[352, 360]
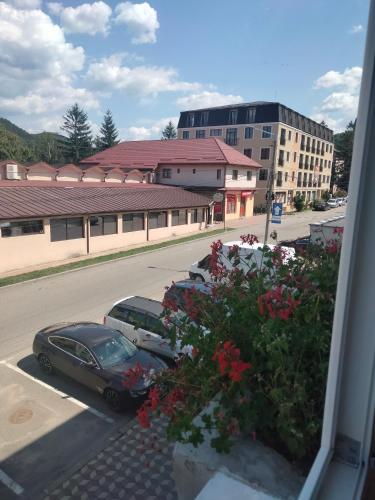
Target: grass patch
[41, 273]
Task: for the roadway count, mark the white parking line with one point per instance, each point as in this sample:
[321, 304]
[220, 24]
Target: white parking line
[12, 485]
[60, 393]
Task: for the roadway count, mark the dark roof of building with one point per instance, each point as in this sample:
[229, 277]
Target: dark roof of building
[233, 106]
[141, 154]
[59, 199]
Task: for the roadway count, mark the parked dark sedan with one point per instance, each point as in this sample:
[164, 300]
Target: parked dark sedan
[98, 357]
[320, 206]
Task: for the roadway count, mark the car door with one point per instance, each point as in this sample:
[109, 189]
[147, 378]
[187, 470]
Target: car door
[117, 318]
[62, 354]
[156, 337]
[87, 371]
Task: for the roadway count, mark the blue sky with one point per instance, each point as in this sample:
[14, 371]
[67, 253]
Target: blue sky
[147, 61]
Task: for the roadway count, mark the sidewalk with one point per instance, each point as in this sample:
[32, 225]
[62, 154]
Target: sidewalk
[136, 466]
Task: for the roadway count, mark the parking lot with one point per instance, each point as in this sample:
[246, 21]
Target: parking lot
[47, 425]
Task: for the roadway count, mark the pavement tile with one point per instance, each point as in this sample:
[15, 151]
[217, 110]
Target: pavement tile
[135, 466]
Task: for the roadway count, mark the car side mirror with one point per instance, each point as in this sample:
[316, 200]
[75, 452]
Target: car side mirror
[91, 364]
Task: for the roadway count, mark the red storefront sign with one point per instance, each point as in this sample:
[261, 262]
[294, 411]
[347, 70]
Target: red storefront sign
[246, 194]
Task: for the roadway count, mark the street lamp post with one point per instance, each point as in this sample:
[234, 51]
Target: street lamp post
[269, 193]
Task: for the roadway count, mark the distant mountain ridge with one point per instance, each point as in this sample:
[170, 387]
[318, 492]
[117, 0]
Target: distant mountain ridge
[23, 135]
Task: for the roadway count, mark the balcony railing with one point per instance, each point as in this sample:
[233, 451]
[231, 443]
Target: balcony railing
[231, 141]
[281, 162]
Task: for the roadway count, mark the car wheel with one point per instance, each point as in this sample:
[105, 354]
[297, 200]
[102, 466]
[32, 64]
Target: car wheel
[45, 364]
[112, 398]
[199, 278]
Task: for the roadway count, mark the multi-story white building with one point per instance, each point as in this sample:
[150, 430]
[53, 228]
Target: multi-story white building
[300, 149]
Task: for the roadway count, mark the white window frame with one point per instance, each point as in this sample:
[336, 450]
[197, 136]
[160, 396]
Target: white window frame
[340, 468]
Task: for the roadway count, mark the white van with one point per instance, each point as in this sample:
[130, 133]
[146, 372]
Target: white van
[200, 270]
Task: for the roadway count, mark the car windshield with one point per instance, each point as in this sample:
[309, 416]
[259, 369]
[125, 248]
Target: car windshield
[113, 351]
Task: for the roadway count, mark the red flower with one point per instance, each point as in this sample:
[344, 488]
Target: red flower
[249, 238]
[279, 302]
[237, 368]
[133, 375]
[143, 416]
[154, 398]
[228, 358]
[332, 247]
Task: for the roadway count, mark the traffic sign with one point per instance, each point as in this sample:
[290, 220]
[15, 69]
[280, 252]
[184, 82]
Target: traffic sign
[277, 211]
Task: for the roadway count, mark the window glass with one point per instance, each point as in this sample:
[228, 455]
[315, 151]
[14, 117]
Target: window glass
[231, 204]
[185, 134]
[67, 345]
[249, 132]
[157, 219]
[21, 228]
[133, 222]
[83, 353]
[231, 136]
[248, 152]
[263, 174]
[265, 153]
[200, 134]
[218, 174]
[179, 217]
[234, 175]
[216, 132]
[103, 224]
[232, 117]
[250, 115]
[166, 173]
[136, 318]
[197, 215]
[266, 132]
[249, 175]
[74, 228]
[114, 351]
[119, 312]
[58, 229]
[155, 325]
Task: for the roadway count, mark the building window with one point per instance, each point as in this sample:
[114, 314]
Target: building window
[296, 136]
[218, 174]
[190, 120]
[231, 137]
[179, 217]
[279, 179]
[289, 135]
[178, 170]
[194, 170]
[234, 175]
[103, 224]
[248, 152]
[250, 115]
[325, 163]
[249, 175]
[294, 157]
[231, 203]
[293, 175]
[232, 120]
[330, 148]
[286, 176]
[329, 164]
[66, 229]
[197, 215]
[133, 222]
[263, 174]
[327, 148]
[266, 131]
[185, 134]
[287, 155]
[200, 134]
[21, 228]
[324, 179]
[166, 173]
[265, 153]
[216, 132]
[157, 219]
[327, 179]
[204, 118]
[282, 136]
[249, 132]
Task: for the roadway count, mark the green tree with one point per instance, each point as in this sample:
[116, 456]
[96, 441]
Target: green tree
[13, 148]
[78, 144]
[343, 156]
[299, 202]
[48, 148]
[108, 133]
[169, 131]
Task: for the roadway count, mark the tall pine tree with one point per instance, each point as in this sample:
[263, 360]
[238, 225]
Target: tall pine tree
[108, 132]
[78, 144]
[169, 131]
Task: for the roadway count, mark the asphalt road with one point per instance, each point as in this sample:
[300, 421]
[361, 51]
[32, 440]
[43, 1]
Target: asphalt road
[88, 293]
[49, 424]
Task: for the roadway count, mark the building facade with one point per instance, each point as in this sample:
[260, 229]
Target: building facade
[300, 149]
[42, 222]
[208, 167]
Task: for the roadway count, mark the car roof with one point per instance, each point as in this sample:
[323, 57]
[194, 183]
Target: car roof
[90, 334]
[200, 287]
[149, 305]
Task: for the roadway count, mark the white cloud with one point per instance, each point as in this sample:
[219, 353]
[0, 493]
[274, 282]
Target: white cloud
[207, 99]
[140, 19]
[25, 4]
[341, 104]
[152, 131]
[349, 79]
[109, 73]
[90, 18]
[357, 28]
[37, 69]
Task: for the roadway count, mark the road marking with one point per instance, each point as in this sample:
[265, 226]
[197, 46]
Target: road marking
[60, 393]
[12, 485]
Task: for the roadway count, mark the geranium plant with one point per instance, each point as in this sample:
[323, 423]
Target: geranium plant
[260, 345]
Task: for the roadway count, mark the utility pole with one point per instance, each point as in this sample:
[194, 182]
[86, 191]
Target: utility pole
[269, 193]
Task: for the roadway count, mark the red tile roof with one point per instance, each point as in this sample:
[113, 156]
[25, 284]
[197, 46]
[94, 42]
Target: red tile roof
[141, 154]
[59, 198]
